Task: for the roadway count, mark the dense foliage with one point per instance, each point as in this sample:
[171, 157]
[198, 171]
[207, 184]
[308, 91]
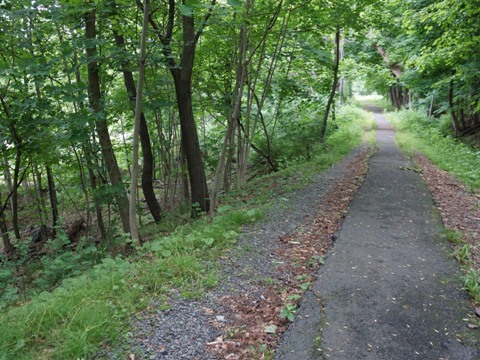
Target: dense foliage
[425, 55]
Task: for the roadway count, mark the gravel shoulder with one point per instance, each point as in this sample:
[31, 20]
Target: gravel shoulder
[256, 277]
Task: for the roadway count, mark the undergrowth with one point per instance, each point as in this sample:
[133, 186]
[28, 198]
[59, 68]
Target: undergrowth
[462, 255]
[92, 305]
[418, 133]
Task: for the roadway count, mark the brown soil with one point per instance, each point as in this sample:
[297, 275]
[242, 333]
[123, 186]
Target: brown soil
[458, 207]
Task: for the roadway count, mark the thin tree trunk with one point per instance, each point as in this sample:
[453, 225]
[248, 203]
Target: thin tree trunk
[95, 100]
[430, 111]
[341, 84]
[249, 129]
[16, 175]
[8, 176]
[453, 114]
[147, 168]
[238, 93]
[7, 244]
[83, 184]
[98, 209]
[52, 194]
[334, 86]
[184, 175]
[136, 129]
[228, 166]
[42, 207]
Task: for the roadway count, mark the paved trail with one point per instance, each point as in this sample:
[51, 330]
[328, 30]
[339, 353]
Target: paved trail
[388, 290]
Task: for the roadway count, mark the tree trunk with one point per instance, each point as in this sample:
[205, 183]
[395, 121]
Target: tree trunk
[7, 244]
[52, 194]
[182, 78]
[227, 174]
[453, 114]
[42, 207]
[16, 176]
[184, 176]
[95, 100]
[334, 86]
[136, 129]
[430, 111]
[7, 174]
[190, 142]
[147, 169]
[98, 209]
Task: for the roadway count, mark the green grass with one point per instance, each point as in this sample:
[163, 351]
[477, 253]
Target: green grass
[92, 310]
[74, 319]
[417, 133]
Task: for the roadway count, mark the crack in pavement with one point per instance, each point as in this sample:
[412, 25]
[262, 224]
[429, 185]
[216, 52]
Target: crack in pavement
[388, 288]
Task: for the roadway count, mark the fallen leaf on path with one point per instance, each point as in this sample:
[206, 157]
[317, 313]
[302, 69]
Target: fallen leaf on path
[218, 340]
[271, 329]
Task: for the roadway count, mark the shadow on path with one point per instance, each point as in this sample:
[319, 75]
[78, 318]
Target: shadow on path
[388, 290]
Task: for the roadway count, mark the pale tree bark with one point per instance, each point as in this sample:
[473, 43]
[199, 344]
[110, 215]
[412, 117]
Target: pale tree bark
[136, 129]
[145, 142]
[95, 100]
[396, 93]
[341, 81]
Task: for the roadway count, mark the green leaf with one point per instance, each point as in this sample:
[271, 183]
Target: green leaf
[209, 241]
[156, 246]
[186, 10]
[305, 286]
[166, 253]
[234, 3]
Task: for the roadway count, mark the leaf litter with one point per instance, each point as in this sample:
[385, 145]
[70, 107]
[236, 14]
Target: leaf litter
[255, 322]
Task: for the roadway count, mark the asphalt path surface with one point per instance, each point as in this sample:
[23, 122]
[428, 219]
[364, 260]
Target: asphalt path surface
[388, 290]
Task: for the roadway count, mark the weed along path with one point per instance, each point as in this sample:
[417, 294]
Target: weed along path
[388, 289]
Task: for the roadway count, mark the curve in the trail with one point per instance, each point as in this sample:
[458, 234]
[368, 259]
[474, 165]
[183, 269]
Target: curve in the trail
[388, 290]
